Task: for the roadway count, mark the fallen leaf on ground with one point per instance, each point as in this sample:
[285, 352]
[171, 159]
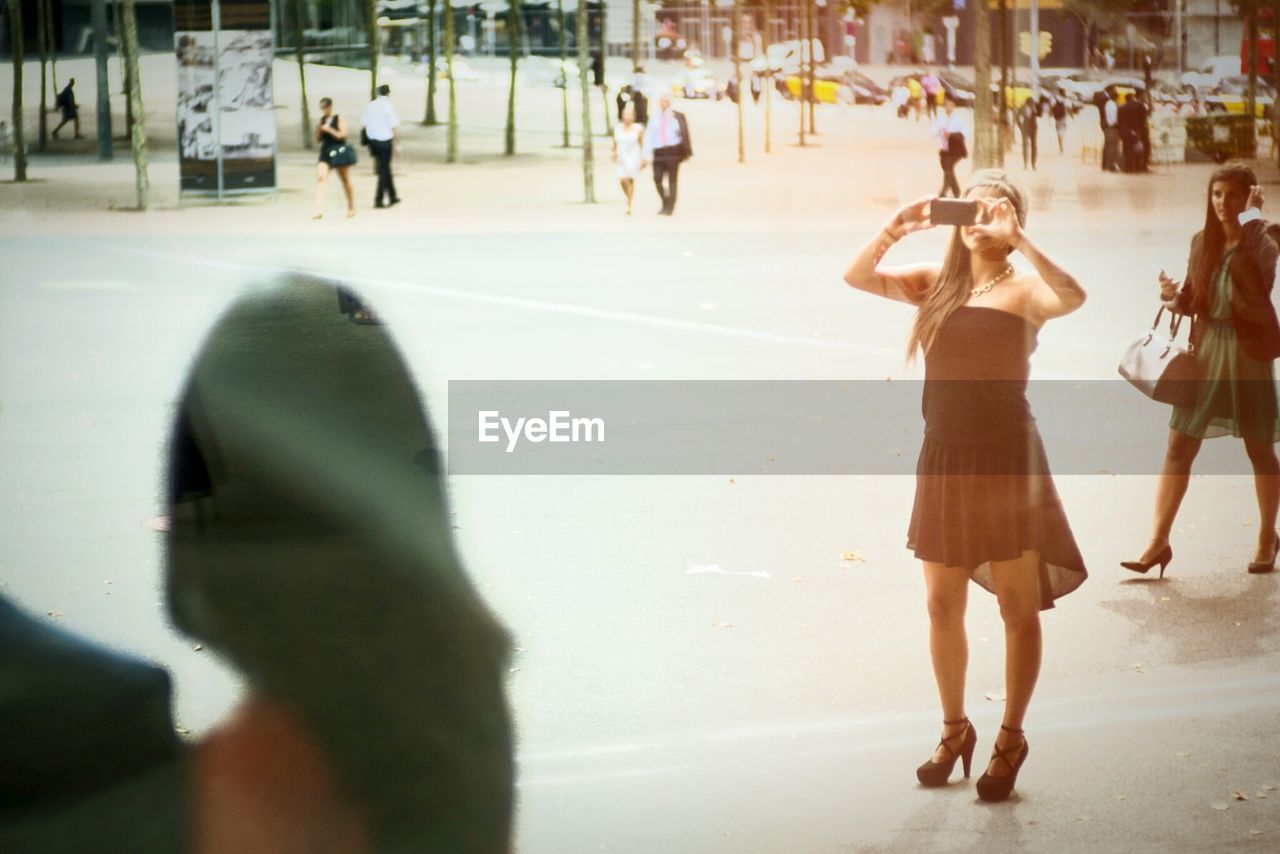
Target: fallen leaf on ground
[1121, 797]
[179, 728]
[197, 647]
[996, 696]
[1182, 753]
[1260, 795]
[853, 556]
[55, 613]
[731, 480]
[772, 458]
[1239, 795]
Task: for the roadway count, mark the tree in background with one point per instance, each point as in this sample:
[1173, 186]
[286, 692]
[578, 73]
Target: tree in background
[584, 80]
[564, 76]
[429, 118]
[451, 146]
[19, 141]
[371, 8]
[300, 47]
[514, 14]
[42, 41]
[768, 74]
[736, 47]
[137, 128]
[986, 151]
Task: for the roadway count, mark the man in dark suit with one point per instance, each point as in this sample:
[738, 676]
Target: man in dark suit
[666, 146]
[1132, 121]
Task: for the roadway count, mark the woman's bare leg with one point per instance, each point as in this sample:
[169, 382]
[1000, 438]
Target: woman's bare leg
[947, 589]
[1171, 488]
[322, 175]
[1265, 470]
[1017, 584]
[344, 174]
[629, 190]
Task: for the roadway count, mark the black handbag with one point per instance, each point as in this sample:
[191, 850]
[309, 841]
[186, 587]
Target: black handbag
[364, 137]
[340, 155]
[1161, 369]
[956, 147]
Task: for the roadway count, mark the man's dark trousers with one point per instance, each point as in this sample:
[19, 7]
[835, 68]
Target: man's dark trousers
[381, 151]
[666, 164]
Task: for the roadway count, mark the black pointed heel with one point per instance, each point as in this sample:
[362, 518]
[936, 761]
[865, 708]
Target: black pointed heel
[1164, 557]
[935, 774]
[1257, 567]
[993, 789]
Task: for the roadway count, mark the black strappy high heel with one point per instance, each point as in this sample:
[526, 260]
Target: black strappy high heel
[994, 789]
[935, 774]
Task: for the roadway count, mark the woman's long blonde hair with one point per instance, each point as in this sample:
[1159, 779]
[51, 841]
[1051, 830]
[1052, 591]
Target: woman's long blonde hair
[956, 278]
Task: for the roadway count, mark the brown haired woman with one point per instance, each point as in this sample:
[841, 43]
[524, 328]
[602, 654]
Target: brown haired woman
[1227, 292]
[337, 153]
[985, 508]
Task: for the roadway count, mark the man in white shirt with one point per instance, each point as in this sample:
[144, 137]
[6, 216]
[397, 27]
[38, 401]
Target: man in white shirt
[666, 146]
[1110, 133]
[950, 150]
[380, 122]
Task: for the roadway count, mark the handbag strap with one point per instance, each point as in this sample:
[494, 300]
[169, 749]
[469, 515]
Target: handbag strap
[1175, 323]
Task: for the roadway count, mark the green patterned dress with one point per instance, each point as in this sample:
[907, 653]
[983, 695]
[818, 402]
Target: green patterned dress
[1238, 396]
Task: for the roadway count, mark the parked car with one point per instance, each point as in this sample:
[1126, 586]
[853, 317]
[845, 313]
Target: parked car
[1212, 72]
[1231, 95]
[864, 89]
[1079, 87]
[958, 87]
[785, 56]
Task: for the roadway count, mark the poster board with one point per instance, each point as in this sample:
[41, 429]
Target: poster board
[226, 107]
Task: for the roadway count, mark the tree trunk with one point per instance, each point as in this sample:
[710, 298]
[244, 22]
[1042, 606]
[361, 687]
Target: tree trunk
[604, 87]
[737, 75]
[19, 142]
[371, 9]
[635, 36]
[138, 132]
[584, 78]
[98, 17]
[42, 39]
[53, 50]
[813, 63]
[1275, 77]
[430, 117]
[1251, 92]
[564, 76]
[299, 42]
[1003, 102]
[768, 75]
[118, 23]
[513, 48]
[451, 146]
[802, 26]
[985, 145]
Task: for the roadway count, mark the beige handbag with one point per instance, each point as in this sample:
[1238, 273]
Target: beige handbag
[1162, 369]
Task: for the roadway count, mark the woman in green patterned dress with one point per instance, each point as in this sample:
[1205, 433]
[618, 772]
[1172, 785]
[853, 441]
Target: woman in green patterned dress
[1227, 293]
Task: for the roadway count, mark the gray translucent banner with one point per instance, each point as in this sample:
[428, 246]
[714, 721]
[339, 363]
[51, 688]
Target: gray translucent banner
[793, 427]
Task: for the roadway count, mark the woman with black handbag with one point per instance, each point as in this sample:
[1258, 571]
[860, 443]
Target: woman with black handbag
[986, 509]
[336, 153]
[1236, 339]
[950, 132]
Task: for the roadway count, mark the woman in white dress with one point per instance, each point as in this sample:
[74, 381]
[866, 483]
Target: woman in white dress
[627, 152]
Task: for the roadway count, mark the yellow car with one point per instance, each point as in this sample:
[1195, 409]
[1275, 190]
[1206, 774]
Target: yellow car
[1230, 95]
[1015, 95]
[825, 91]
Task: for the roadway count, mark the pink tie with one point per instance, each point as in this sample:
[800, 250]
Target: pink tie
[662, 130]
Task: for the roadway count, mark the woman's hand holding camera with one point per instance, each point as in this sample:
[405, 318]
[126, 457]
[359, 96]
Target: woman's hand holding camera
[910, 218]
[1256, 198]
[998, 221]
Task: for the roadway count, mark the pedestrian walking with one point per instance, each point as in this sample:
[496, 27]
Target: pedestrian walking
[916, 96]
[66, 102]
[932, 86]
[952, 137]
[666, 146]
[1236, 339]
[1029, 128]
[628, 152]
[986, 509]
[337, 154]
[380, 123]
[901, 97]
[1059, 112]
